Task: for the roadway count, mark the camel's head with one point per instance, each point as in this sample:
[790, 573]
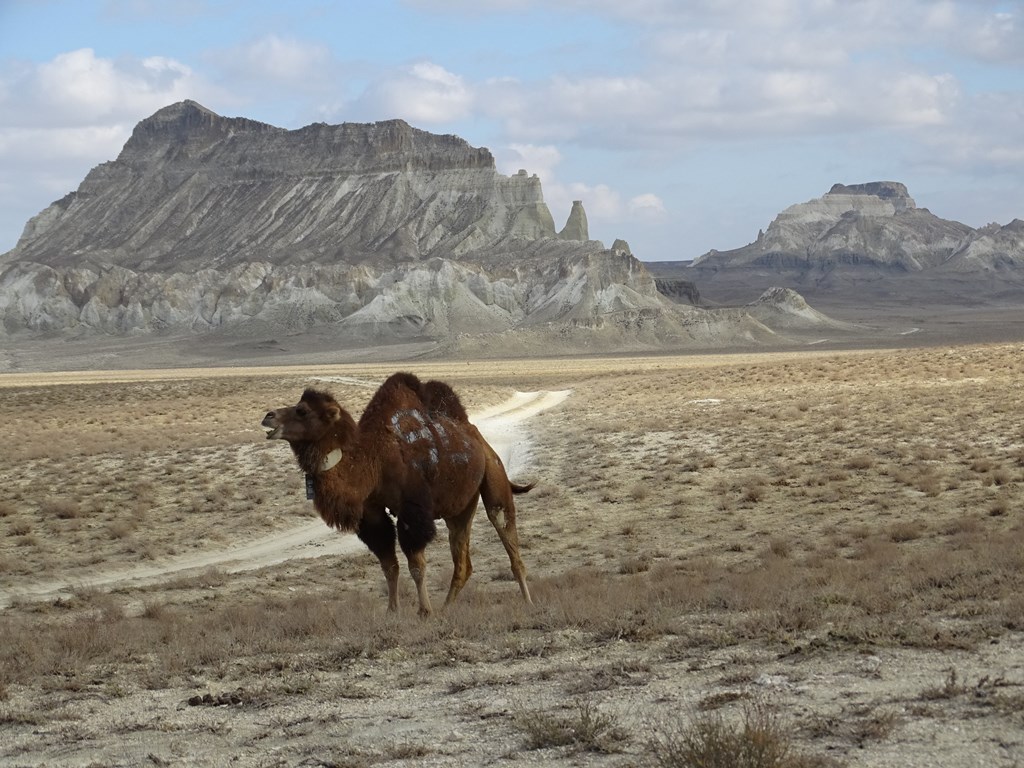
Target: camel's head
[309, 420]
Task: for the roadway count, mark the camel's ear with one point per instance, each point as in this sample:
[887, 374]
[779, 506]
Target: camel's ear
[333, 412]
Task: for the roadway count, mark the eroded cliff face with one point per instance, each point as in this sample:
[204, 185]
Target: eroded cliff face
[371, 233]
[207, 222]
[192, 190]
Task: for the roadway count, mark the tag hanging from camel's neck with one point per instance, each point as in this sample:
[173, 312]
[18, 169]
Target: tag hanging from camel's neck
[330, 461]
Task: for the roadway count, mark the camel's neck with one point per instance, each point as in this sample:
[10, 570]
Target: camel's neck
[339, 478]
[321, 456]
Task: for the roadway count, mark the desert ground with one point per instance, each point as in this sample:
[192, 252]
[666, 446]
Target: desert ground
[800, 558]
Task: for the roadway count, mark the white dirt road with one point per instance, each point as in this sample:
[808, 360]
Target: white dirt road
[500, 424]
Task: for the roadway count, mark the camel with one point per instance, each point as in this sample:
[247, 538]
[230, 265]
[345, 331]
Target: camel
[414, 455]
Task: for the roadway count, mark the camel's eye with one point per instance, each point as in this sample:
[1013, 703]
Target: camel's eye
[302, 411]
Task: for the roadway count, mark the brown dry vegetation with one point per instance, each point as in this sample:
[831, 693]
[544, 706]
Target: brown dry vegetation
[818, 554]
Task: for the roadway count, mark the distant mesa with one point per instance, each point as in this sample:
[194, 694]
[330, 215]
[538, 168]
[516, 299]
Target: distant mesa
[869, 240]
[885, 190]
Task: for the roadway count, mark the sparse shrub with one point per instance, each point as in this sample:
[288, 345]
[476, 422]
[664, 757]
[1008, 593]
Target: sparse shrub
[982, 464]
[1002, 476]
[589, 730]
[120, 529]
[907, 530]
[928, 453]
[710, 741]
[638, 564]
[639, 491]
[860, 461]
[967, 524]
[754, 493]
[64, 509]
[779, 546]
[950, 688]
[999, 506]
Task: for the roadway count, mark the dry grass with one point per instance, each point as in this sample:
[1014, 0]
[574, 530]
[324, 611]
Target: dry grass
[702, 528]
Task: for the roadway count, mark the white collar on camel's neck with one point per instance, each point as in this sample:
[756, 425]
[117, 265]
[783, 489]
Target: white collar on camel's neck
[330, 461]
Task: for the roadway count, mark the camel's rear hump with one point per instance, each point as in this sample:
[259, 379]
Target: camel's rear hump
[440, 399]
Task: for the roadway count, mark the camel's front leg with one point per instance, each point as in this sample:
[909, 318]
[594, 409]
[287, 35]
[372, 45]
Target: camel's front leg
[390, 567]
[377, 532]
[418, 570]
[416, 528]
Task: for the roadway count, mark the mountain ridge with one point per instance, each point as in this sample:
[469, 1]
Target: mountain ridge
[376, 233]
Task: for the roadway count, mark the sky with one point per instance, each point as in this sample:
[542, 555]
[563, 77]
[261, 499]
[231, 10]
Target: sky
[682, 125]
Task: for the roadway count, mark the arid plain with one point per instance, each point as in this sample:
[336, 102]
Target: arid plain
[819, 553]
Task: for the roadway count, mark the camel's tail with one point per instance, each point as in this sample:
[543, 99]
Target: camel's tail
[521, 488]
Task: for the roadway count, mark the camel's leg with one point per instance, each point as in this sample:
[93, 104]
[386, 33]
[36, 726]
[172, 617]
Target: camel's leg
[459, 528]
[377, 532]
[501, 511]
[418, 570]
[416, 528]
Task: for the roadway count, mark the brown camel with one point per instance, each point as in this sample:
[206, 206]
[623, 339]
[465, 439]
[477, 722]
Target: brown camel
[413, 454]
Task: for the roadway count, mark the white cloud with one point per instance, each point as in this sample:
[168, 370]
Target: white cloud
[423, 93]
[601, 202]
[77, 88]
[983, 138]
[276, 60]
[646, 206]
[78, 108]
[21, 146]
[62, 117]
[540, 160]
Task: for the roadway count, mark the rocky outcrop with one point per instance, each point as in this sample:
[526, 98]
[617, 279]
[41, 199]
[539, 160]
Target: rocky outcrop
[576, 227]
[678, 289]
[991, 249]
[621, 245]
[783, 308]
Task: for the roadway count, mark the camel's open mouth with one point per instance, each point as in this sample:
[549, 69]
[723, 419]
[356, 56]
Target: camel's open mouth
[273, 429]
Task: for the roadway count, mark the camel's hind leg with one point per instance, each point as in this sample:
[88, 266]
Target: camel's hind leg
[459, 528]
[501, 511]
